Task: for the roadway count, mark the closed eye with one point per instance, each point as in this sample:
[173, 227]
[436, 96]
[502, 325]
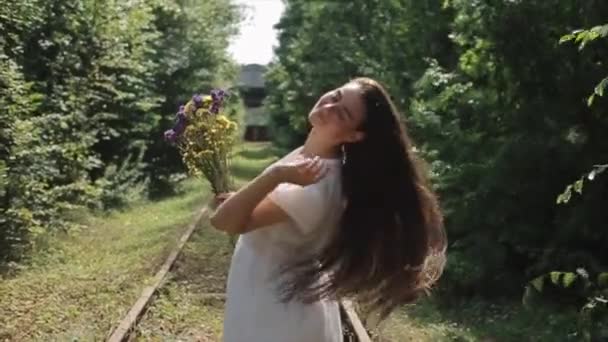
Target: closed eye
[344, 112]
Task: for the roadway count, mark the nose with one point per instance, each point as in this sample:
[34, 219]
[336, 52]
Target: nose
[328, 108]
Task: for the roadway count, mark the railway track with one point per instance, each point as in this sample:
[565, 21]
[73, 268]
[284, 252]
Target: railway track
[353, 329]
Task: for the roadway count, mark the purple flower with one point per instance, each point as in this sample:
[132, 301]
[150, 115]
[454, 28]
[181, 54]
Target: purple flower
[170, 136]
[198, 100]
[218, 95]
[180, 124]
[181, 120]
[178, 129]
[215, 108]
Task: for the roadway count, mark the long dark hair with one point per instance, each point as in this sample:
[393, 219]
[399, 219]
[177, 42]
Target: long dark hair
[390, 246]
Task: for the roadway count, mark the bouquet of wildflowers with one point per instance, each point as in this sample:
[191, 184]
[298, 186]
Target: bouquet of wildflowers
[205, 137]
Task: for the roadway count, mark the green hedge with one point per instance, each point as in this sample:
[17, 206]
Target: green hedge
[86, 89]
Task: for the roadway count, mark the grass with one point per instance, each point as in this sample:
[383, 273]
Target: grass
[477, 320]
[191, 307]
[81, 287]
[250, 159]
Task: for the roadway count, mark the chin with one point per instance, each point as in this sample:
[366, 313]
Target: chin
[313, 119]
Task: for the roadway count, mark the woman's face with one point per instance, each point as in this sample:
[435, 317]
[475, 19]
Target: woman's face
[339, 113]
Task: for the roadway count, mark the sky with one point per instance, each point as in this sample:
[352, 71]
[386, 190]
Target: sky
[257, 37]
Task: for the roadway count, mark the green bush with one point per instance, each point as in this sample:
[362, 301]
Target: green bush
[86, 90]
[494, 103]
[588, 293]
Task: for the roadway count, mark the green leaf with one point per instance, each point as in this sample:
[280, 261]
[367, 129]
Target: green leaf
[599, 89]
[568, 279]
[590, 100]
[581, 36]
[566, 38]
[578, 186]
[566, 195]
[555, 277]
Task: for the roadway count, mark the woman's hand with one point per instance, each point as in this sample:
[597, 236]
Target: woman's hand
[220, 198]
[223, 196]
[301, 172]
[249, 209]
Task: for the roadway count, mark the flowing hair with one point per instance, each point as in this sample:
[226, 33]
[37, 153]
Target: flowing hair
[390, 246]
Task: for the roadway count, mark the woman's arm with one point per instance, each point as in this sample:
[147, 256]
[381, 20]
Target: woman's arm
[234, 214]
[249, 208]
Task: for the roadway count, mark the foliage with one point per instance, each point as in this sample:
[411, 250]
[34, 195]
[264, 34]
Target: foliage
[493, 102]
[104, 267]
[506, 127]
[324, 44]
[82, 86]
[191, 56]
[577, 186]
[121, 184]
[578, 289]
[583, 37]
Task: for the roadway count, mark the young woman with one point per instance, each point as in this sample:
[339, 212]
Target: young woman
[347, 215]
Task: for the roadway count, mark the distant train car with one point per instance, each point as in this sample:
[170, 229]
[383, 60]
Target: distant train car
[253, 91]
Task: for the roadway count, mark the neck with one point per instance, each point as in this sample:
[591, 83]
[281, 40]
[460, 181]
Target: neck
[316, 146]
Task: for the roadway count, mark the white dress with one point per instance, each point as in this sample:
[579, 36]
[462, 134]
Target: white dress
[253, 311]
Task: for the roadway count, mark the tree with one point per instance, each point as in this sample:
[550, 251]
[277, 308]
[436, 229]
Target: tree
[87, 88]
[324, 44]
[493, 102]
[507, 128]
